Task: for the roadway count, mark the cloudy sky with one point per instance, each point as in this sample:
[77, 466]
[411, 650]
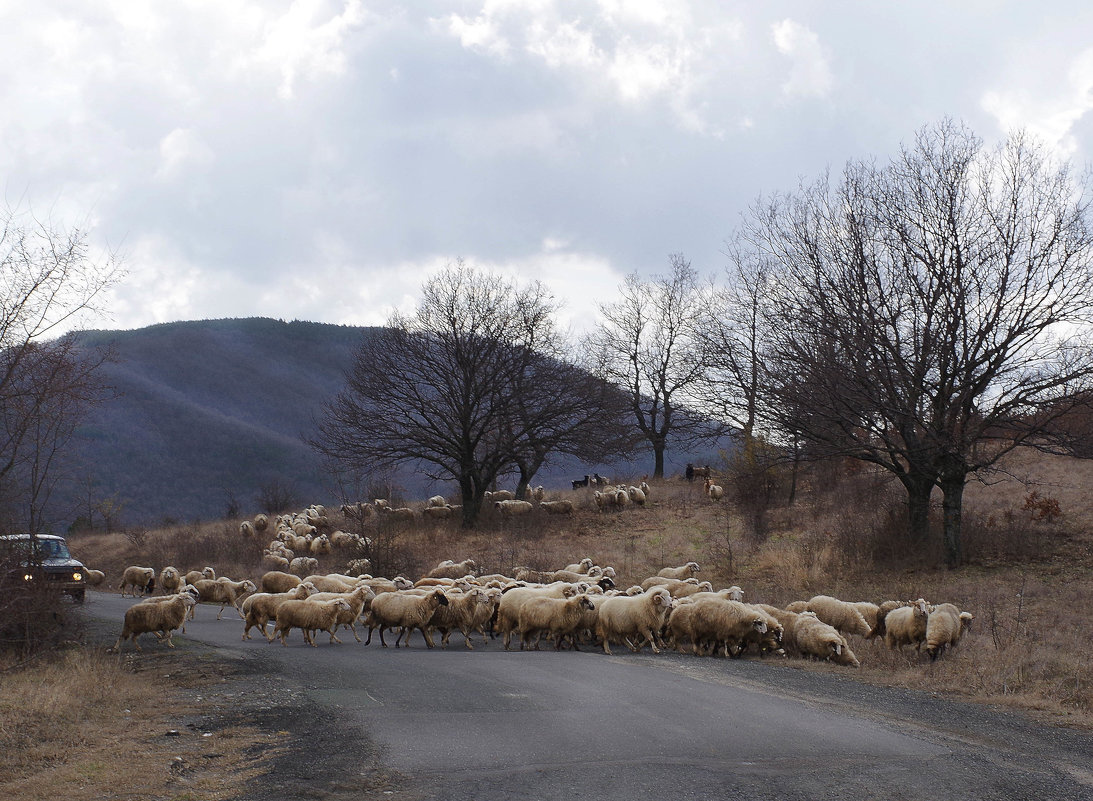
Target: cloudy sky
[318, 159]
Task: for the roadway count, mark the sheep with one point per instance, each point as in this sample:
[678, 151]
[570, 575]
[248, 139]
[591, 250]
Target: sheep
[769, 641]
[508, 609]
[510, 508]
[817, 639]
[197, 575]
[625, 616]
[274, 561]
[715, 491]
[309, 616]
[717, 622]
[246, 529]
[500, 495]
[682, 572]
[170, 580]
[557, 507]
[870, 611]
[139, 578]
[358, 511]
[664, 581]
[380, 584]
[261, 522]
[437, 512]
[398, 513]
[261, 607]
[320, 545]
[407, 611]
[436, 501]
[558, 617]
[787, 620]
[843, 616]
[537, 493]
[945, 625]
[278, 581]
[466, 611]
[685, 589]
[636, 496]
[358, 599]
[303, 565]
[224, 591]
[582, 566]
[358, 566]
[906, 625]
[604, 500]
[644, 487]
[381, 503]
[797, 607]
[95, 577]
[154, 617]
[453, 570]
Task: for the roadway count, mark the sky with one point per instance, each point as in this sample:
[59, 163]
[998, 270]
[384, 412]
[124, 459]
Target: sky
[320, 159]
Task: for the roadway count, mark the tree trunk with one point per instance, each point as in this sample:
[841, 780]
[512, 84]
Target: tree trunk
[658, 460]
[952, 488]
[919, 489]
[472, 500]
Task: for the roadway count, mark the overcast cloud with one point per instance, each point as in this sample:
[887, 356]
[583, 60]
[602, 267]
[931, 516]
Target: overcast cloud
[316, 160]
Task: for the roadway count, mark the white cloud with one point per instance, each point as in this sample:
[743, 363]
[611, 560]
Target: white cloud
[809, 73]
[179, 149]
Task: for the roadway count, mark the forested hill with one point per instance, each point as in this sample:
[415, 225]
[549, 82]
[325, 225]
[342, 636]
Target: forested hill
[214, 410]
[211, 410]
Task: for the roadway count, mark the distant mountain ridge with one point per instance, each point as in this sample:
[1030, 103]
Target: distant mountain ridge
[212, 410]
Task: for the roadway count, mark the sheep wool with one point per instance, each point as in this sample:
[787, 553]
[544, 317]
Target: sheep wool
[945, 625]
[163, 617]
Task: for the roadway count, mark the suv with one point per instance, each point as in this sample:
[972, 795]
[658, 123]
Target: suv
[44, 557]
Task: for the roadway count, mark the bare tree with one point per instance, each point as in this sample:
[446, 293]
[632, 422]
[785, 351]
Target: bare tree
[650, 343]
[468, 386]
[933, 313]
[48, 283]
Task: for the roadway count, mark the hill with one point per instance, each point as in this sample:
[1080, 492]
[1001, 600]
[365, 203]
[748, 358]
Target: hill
[212, 411]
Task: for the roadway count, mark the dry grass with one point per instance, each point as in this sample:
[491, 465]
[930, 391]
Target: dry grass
[1027, 582]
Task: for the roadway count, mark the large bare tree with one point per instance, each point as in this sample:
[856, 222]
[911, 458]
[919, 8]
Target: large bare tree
[470, 386]
[933, 312]
[49, 283]
[651, 345]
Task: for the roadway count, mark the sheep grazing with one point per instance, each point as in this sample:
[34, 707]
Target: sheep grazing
[817, 639]
[453, 570]
[162, 618]
[170, 580]
[512, 508]
[224, 591]
[274, 561]
[715, 491]
[682, 572]
[626, 617]
[906, 625]
[559, 618]
[843, 616]
[945, 625]
[406, 611]
[309, 616]
[557, 507]
[870, 611]
[139, 578]
[769, 641]
[261, 607]
[787, 620]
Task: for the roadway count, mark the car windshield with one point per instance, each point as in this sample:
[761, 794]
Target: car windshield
[52, 549]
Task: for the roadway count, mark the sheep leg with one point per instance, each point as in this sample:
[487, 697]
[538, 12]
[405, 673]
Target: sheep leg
[424, 633]
[334, 639]
[353, 628]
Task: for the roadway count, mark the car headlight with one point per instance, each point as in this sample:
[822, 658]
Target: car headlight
[77, 576]
[28, 577]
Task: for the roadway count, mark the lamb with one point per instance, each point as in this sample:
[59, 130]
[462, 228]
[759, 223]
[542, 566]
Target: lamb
[139, 578]
[162, 617]
[906, 625]
[682, 572]
[945, 625]
[628, 616]
[278, 581]
[224, 591]
[303, 565]
[309, 616]
[359, 599]
[512, 508]
[817, 639]
[466, 611]
[261, 607]
[453, 570]
[197, 575]
[843, 616]
[170, 580]
[558, 617]
[715, 491]
[557, 507]
[407, 611]
[718, 623]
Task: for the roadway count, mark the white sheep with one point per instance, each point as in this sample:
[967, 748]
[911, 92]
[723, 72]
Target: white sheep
[224, 591]
[453, 570]
[320, 545]
[95, 577]
[246, 529]
[278, 581]
[436, 501]
[628, 617]
[537, 493]
[682, 572]
[274, 561]
[309, 616]
[359, 600]
[499, 495]
[945, 625]
[261, 522]
[437, 512]
[162, 617]
[716, 623]
[844, 616]
[170, 580]
[408, 612]
[559, 618]
[512, 508]
[508, 609]
[332, 582]
[644, 487]
[814, 638]
[906, 625]
[466, 612]
[139, 578]
[402, 514]
[562, 507]
[715, 491]
[261, 607]
[637, 496]
[197, 575]
[582, 566]
[303, 565]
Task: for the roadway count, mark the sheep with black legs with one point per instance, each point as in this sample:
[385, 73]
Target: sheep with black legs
[467, 611]
[508, 609]
[714, 624]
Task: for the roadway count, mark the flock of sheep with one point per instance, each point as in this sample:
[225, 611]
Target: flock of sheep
[575, 606]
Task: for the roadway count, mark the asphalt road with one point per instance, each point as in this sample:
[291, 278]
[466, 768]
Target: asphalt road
[488, 724]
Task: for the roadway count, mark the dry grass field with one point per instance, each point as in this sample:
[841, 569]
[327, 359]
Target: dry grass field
[1028, 581]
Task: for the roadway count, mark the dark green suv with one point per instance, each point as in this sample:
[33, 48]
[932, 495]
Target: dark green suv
[45, 558]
